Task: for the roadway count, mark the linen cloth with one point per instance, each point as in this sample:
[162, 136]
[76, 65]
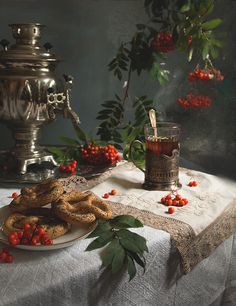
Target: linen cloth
[73, 277]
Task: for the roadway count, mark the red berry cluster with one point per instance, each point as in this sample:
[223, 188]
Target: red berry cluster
[199, 74]
[163, 42]
[96, 155]
[195, 101]
[112, 192]
[30, 235]
[70, 168]
[5, 256]
[192, 184]
[205, 75]
[174, 200]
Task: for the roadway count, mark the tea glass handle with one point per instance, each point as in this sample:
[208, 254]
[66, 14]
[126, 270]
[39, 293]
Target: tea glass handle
[131, 153]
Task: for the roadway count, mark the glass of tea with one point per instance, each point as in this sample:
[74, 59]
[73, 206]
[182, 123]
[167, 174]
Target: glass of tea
[161, 150]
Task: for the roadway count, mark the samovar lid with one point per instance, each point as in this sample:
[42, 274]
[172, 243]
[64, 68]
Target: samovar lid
[26, 47]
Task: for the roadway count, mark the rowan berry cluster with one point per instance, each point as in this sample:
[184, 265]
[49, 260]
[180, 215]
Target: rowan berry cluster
[96, 155]
[194, 101]
[30, 235]
[5, 256]
[205, 75]
[163, 42]
[70, 168]
[174, 200]
[199, 74]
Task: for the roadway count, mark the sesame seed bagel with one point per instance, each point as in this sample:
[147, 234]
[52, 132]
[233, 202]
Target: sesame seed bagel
[53, 226]
[37, 196]
[81, 207]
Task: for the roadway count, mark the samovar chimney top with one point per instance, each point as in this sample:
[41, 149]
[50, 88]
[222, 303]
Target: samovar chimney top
[26, 33]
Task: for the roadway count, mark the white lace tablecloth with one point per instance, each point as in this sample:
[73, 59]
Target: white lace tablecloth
[73, 277]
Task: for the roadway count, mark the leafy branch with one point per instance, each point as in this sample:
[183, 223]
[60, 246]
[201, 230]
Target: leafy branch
[123, 248]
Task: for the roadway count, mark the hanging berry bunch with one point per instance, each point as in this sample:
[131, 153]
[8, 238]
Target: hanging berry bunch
[195, 101]
[163, 42]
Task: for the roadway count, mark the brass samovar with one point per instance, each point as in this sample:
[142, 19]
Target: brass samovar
[31, 94]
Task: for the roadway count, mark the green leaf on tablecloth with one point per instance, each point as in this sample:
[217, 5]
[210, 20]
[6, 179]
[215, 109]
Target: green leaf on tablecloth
[101, 241]
[102, 227]
[137, 259]
[132, 241]
[118, 259]
[131, 267]
[126, 221]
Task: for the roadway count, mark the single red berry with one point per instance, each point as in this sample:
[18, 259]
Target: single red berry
[163, 200]
[175, 202]
[3, 255]
[14, 195]
[106, 195]
[185, 201]
[114, 192]
[171, 210]
[27, 226]
[190, 184]
[181, 202]
[168, 197]
[194, 183]
[20, 234]
[9, 259]
[169, 202]
[178, 197]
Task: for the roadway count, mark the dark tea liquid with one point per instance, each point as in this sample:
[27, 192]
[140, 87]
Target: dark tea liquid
[161, 146]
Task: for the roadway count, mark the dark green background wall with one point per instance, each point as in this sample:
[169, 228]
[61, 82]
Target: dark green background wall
[86, 34]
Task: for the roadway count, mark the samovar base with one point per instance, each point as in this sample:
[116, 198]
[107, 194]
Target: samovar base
[23, 163]
[18, 169]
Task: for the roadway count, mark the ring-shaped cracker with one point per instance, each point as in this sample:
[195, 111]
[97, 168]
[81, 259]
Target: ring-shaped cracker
[75, 207]
[43, 217]
[37, 196]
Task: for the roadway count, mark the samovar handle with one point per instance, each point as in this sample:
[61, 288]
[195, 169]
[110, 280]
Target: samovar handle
[60, 102]
[4, 43]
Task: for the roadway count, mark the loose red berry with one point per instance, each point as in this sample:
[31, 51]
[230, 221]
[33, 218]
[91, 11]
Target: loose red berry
[163, 200]
[194, 183]
[168, 197]
[14, 195]
[114, 192]
[181, 202]
[171, 210]
[185, 201]
[106, 195]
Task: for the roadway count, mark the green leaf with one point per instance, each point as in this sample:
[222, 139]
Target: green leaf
[185, 8]
[80, 134]
[118, 259]
[126, 221]
[69, 141]
[131, 267]
[59, 152]
[212, 24]
[132, 241]
[101, 241]
[103, 226]
[139, 261]
[109, 252]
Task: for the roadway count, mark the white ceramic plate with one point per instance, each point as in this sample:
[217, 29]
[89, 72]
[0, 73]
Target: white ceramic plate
[76, 233]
